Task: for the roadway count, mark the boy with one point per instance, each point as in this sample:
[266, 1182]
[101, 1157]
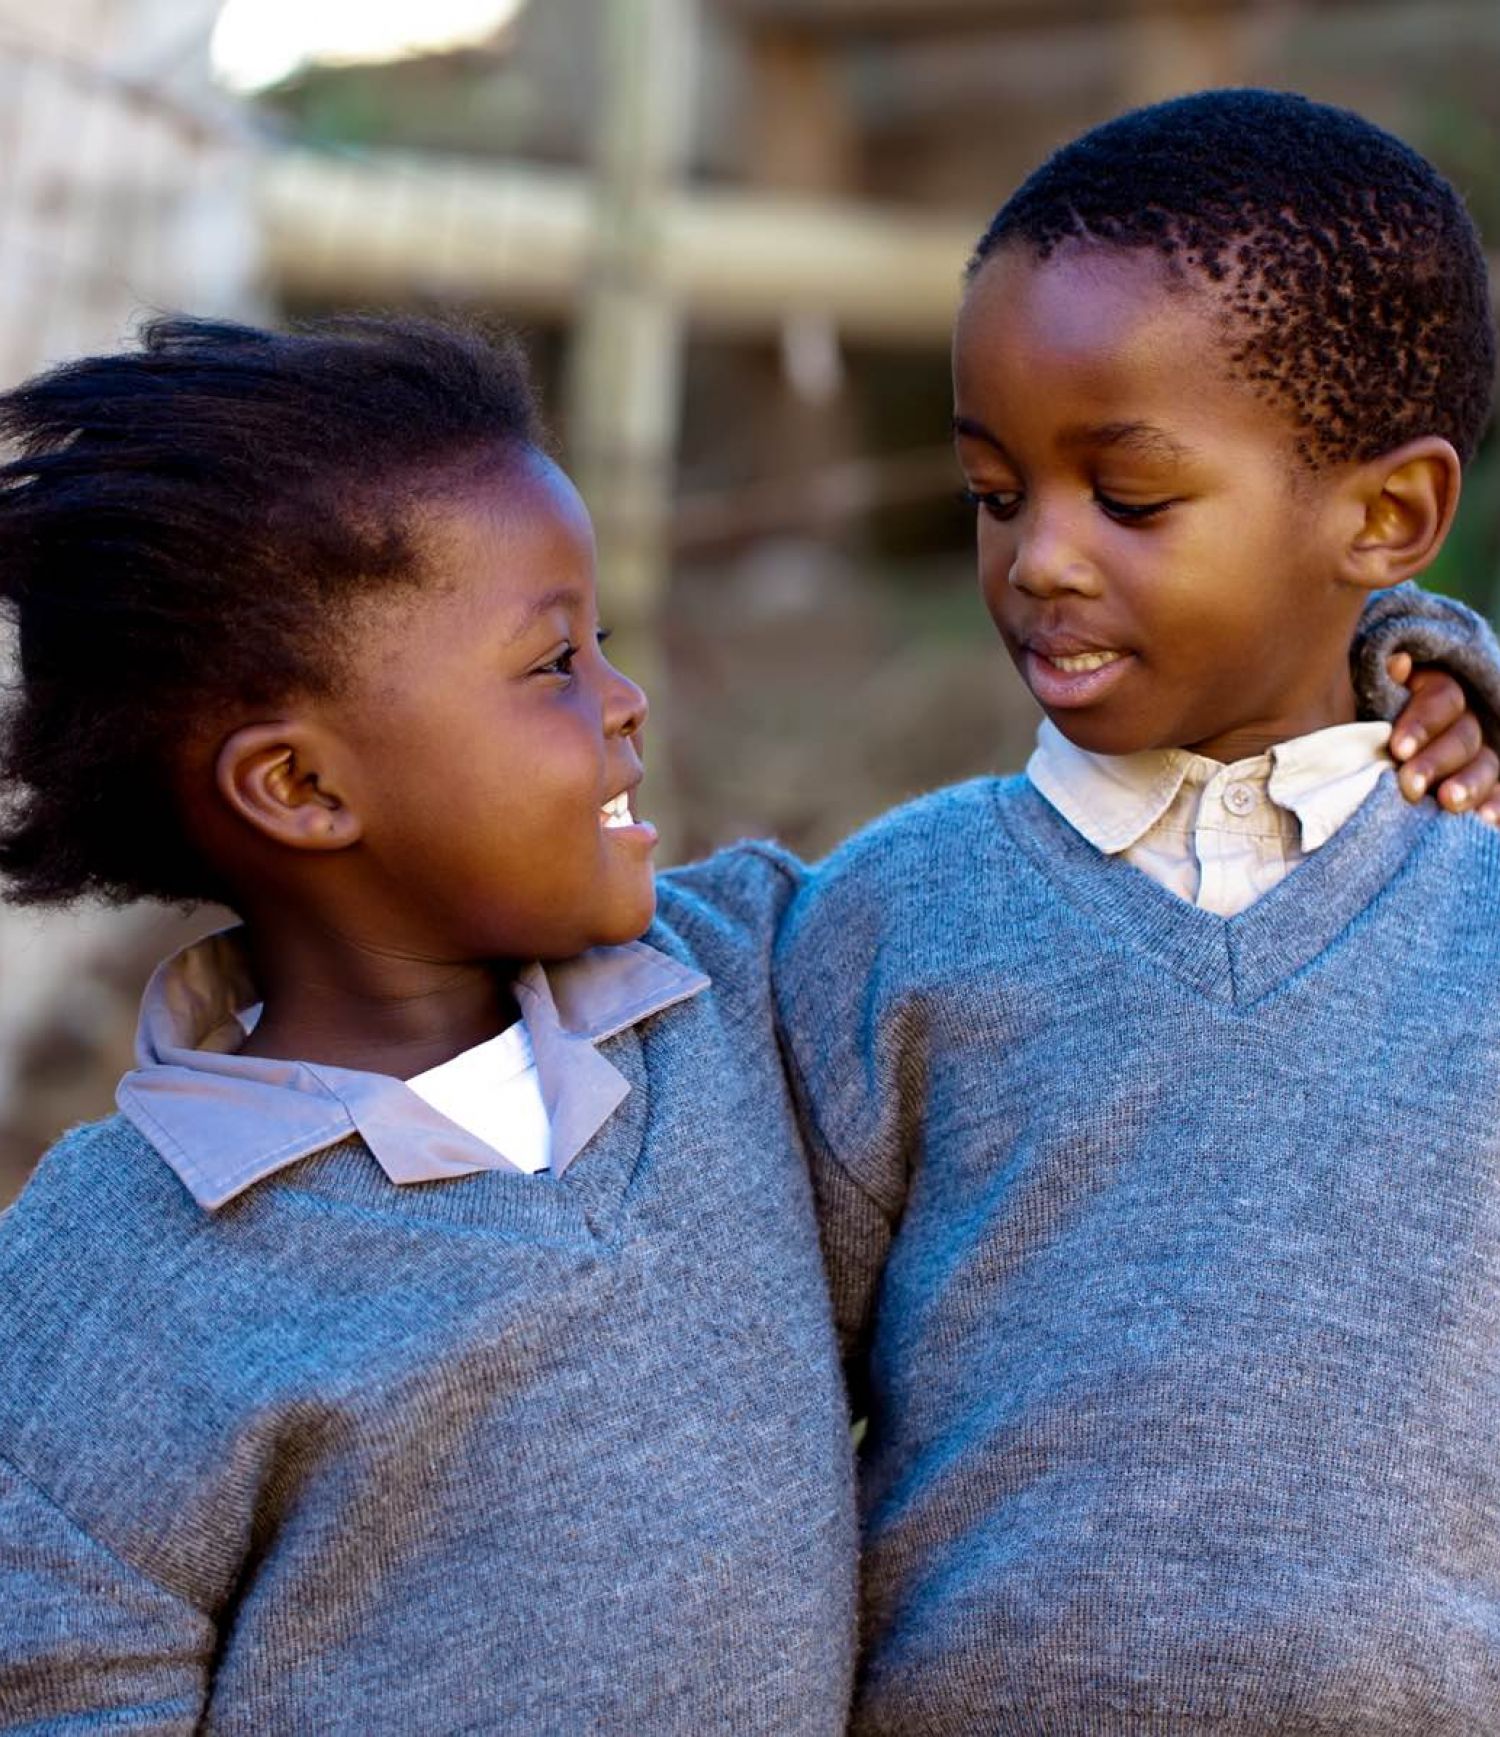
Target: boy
[1174, 1299]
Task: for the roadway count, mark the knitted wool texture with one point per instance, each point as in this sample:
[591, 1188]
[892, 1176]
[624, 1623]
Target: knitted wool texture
[1168, 1251]
[491, 1454]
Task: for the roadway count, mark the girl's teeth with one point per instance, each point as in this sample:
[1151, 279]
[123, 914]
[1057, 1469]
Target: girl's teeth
[1085, 661]
[616, 811]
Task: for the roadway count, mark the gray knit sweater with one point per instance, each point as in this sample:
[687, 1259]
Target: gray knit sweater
[1170, 1248]
[494, 1454]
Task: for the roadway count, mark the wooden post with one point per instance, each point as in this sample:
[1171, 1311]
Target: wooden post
[626, 364]
[804, 145]
[1172, 48]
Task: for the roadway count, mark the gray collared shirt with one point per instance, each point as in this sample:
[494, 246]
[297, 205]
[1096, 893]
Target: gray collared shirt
[224, 1121]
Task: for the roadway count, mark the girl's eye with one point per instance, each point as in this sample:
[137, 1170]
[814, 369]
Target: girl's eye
[1000, 504]
[561, 665]
[1128, 514]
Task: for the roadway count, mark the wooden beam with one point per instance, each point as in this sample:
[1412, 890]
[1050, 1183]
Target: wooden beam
[845, 19]
[382, 228]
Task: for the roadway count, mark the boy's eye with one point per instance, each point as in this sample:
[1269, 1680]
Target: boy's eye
[1129, 514]
[1000, 504]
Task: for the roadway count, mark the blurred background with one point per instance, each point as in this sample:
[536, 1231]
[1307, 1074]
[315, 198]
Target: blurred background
[731, 233]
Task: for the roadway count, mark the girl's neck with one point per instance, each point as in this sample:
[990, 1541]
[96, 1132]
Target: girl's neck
[330, 999]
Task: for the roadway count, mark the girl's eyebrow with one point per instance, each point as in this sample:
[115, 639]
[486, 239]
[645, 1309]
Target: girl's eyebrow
[564, 597]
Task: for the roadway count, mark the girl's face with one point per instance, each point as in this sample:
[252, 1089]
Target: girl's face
[1161, 569]
[486, 736]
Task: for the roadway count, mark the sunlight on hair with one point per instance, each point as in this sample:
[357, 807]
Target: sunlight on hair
[259, 42]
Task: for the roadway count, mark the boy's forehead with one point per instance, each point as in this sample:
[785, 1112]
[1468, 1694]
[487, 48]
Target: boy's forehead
[1085, 302]
[1115, 348]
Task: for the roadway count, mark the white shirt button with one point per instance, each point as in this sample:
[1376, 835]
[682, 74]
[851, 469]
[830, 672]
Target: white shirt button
[1240, 798]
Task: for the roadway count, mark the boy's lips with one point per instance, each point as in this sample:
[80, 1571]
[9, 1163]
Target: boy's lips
[1066, 672]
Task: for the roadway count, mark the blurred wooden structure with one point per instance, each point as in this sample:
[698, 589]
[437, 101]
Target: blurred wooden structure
[124, 186]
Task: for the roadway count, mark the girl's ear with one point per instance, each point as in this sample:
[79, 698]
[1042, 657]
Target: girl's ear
[275, 778]
[1408, 498]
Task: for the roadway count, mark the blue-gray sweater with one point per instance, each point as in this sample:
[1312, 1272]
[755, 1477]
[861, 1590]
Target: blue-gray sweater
[1170, 1247]
[494, 1454]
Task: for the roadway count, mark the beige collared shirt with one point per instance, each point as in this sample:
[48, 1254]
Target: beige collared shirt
[1218, 836]
[223, 1121]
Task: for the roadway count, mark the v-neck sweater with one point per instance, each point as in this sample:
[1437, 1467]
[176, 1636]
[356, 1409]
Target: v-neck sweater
[1168, 1249]
[498, 1453]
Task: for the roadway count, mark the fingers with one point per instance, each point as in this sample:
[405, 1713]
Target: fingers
[1437, 702]
[1398, 667]
[1442, 747]
[1452, 766]
[1474, 787]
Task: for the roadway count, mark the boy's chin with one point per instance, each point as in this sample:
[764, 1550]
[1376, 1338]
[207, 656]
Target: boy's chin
[1102, 734]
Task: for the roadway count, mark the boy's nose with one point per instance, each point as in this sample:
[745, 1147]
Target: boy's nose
[1047, 563]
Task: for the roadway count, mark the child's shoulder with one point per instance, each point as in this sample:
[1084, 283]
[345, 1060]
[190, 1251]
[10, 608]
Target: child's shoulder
[914, 860]
[727, 904]
[96, 1187]
[1457, 883]
[101, 1217]
[943, 826]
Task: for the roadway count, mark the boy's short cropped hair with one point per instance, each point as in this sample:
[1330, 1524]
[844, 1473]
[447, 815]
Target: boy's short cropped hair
[183, 529]
[1353, 274]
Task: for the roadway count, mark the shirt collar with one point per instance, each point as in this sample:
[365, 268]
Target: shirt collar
[224, 1121]
[1113, 800]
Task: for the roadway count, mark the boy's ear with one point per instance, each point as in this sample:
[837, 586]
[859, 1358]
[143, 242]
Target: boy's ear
[1406, 500]
[275, 778]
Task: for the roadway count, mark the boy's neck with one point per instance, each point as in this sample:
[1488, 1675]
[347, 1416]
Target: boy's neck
[1249, 741]
[342, 1004]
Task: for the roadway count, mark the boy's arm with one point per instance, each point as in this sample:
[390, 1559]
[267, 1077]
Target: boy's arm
[1442, 747]
[88, 1643]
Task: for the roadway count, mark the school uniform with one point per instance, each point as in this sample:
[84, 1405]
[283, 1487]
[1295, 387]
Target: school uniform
[320, 1412]
[1166, 1243]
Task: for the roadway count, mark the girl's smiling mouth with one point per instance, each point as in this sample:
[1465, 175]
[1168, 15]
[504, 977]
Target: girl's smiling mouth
[616, 817]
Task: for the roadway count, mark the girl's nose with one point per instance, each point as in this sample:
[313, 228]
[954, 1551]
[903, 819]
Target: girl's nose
[625, 706]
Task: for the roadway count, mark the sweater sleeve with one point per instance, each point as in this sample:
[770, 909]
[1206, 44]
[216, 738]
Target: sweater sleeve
[87, 1642]
[855, 1058]
[1433, 629]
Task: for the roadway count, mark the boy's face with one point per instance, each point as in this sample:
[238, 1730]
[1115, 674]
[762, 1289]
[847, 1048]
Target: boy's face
[484, 732]
[1158, 565]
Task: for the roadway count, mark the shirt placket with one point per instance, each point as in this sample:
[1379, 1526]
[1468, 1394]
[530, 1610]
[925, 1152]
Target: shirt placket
[1229, 841]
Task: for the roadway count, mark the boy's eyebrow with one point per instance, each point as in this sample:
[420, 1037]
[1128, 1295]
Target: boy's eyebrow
[1142, 437]
[966, 425]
